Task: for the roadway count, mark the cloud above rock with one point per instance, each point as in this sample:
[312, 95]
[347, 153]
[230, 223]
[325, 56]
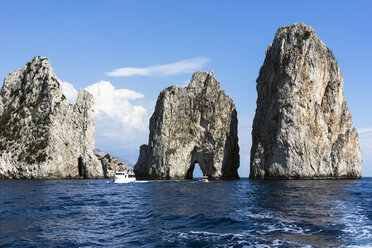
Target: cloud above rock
[182, 66]
[121, 125]
[115, 104]
[69, 91]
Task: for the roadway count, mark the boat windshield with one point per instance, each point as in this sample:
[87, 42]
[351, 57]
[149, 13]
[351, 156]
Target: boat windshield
[125, 173]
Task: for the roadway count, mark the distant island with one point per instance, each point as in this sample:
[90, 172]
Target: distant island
[111, 164]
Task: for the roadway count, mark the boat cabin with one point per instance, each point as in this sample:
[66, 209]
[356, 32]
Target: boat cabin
[124, 174]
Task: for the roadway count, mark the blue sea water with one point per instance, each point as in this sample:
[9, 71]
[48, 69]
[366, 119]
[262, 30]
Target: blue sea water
[238, 213]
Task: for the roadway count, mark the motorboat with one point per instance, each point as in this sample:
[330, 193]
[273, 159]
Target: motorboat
[205, 179]
[124, 176]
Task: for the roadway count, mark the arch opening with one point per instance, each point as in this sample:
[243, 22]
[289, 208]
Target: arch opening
[195, 171]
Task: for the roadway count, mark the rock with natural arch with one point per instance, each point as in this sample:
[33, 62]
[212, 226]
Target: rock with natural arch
[193, 124]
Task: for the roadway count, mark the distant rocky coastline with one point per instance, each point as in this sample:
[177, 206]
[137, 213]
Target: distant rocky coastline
[110, 164]
[302, 128]
[193, 124]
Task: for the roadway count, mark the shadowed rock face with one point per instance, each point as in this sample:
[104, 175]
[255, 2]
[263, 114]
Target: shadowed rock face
[302, 127]
[194, 124]
[41, 135]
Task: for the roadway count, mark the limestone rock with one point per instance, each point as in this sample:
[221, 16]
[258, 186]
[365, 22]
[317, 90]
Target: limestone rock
[110, 164]
[194, 124]
[42, 136]
[302, 127]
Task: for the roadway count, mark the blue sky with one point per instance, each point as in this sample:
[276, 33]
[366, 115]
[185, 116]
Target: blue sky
[85, 40]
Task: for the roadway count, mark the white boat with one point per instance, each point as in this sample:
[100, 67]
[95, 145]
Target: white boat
[125, 176]
[205, 179]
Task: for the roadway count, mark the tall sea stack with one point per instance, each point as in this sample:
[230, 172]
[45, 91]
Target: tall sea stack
[302, 128]
[42, 136]
[193, 124]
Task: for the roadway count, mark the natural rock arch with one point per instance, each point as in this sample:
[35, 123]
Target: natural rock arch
[190, 171]
[206, 167]
[197, 123]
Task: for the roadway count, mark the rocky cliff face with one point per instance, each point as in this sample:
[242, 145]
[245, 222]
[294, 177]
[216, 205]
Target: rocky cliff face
[194, 124]
[41, 134]
[302, 127]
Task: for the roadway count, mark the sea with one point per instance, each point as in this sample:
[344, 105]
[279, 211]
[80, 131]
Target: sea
[236, 213]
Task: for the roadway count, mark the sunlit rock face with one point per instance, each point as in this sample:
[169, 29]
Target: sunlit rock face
[42, 136]
[193, 124]
[302, 128]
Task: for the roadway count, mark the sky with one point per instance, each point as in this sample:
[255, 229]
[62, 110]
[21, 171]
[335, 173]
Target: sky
[126, 51]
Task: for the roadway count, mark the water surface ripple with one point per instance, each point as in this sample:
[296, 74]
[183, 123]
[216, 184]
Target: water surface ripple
[238, 213]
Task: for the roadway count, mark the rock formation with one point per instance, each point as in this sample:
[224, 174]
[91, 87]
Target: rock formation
[194, 124]
[41, 134]
[110, 164]
[302, 127]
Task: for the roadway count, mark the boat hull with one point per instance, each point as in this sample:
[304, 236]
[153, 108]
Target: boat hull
[124, 180]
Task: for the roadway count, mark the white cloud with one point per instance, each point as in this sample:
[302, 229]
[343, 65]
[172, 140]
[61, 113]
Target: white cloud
[121, 126]
[183, 66]
[365, 130]
[365, 138]
[69, 91]
[113, 104]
